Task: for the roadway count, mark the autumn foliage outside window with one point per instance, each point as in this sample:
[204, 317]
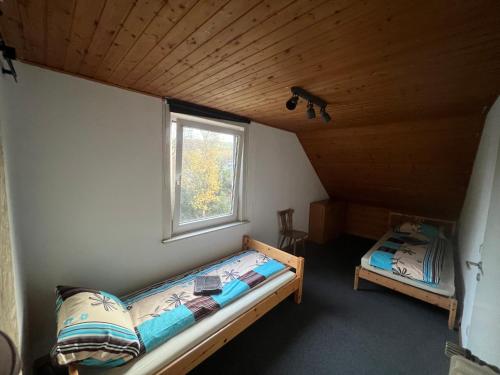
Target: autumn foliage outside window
[207, 162]
[207, 177]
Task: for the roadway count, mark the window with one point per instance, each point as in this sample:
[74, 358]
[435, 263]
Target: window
[206, 162]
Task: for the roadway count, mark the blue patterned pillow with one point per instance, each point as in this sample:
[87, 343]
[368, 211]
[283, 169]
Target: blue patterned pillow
[94, 328]
[430, 231]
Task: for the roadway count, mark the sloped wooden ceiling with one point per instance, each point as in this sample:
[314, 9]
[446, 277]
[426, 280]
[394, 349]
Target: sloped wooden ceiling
[407, 81]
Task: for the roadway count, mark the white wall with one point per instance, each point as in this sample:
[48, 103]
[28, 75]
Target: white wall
[484, 337]
[84, 165]
[280, 176]
[472, 223]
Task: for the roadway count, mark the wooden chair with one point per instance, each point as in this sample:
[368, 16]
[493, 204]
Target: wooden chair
[288, 233]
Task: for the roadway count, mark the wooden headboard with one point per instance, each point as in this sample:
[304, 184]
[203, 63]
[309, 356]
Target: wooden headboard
[449, 227]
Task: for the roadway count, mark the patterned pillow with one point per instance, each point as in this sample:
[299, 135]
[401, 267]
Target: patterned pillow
[94, 328]
[409, 228]
[430, 231]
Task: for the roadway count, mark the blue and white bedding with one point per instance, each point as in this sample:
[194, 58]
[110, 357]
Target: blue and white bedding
[165, 309]
[156, 360]
[98, 329]
[413, 255]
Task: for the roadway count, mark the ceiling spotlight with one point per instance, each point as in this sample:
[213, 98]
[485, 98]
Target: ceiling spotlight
[312, 100]
[324, 115]
[310, 110]
[292, 102]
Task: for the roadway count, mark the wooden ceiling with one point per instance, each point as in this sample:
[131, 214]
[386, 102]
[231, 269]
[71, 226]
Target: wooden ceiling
[375, 62]
[420, 167]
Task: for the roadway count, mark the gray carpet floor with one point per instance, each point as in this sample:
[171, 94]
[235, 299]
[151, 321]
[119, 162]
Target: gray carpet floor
[337, 330]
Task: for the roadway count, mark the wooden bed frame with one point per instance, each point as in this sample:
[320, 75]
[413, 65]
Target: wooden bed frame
[447, 303]
[189, 360]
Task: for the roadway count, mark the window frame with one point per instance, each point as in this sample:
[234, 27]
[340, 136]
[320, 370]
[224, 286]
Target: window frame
[172, 176]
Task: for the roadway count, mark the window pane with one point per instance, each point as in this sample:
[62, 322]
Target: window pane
[207, 174]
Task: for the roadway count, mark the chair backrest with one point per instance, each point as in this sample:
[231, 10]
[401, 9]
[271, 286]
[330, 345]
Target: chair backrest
[286, 220]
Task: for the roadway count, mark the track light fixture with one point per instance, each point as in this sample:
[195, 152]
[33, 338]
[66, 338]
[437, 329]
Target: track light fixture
[324, 115]
[310, 110]
[297, 92]
[292, 102]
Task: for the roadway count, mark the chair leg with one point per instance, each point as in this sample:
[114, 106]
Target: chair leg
[294, 246]
[281, 239]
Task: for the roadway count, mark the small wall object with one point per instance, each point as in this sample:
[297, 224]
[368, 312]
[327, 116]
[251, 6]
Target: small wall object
[10, 363]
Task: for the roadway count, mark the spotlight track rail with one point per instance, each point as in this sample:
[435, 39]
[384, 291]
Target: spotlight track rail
[299, 91]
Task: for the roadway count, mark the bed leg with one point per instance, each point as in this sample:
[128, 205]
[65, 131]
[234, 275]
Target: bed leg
[453, 313]
[72, 370]
[300, 273]
[356, 277]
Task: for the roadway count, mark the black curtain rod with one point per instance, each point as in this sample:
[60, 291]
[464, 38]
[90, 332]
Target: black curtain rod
[180, 106]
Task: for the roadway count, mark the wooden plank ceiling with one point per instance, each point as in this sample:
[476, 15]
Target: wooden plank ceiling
[407, 81]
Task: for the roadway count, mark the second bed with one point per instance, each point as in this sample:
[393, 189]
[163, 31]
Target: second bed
[441, 294]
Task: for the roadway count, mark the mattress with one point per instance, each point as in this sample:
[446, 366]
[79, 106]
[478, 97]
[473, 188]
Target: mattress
[446, 286]
[155, 360]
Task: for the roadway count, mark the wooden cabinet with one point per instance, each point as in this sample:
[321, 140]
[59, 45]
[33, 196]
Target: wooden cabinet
[326, 220]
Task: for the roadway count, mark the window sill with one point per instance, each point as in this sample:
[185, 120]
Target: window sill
[183, 236]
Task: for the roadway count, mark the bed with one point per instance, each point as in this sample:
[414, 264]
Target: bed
[186, 350]
[441, 294]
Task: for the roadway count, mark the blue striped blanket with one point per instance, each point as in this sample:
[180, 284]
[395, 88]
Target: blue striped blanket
[165, 309]
[413, 256]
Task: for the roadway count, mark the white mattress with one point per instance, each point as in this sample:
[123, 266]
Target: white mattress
[446, 286]
[152, 362]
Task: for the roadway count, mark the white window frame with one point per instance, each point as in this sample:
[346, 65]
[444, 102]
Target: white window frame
[172, 226]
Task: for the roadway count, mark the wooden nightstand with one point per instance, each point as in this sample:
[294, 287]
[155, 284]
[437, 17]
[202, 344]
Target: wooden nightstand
[326, 220]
